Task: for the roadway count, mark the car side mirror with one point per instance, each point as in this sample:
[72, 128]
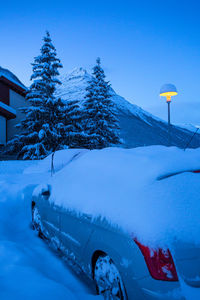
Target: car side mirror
[46, 193]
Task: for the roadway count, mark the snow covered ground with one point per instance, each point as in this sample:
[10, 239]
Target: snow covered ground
[29, 270]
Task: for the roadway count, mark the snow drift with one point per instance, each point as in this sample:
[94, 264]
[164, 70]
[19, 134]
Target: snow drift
[28, 269]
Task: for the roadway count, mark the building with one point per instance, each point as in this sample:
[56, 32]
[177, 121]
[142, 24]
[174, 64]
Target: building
[12, 97]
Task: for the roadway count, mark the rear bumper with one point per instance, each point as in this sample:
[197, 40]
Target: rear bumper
[152, 289]
[189, 271]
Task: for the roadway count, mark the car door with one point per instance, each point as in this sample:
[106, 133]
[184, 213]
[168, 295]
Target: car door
[75, 232]
[50, 217]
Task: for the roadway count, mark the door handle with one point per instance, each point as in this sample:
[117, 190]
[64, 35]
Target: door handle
[88, 217]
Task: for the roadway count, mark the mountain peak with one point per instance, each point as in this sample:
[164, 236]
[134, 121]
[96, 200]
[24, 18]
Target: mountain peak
[74, 84]
[76, 73]
[138, 127]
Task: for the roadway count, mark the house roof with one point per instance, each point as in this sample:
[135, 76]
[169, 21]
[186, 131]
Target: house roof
[12, 81]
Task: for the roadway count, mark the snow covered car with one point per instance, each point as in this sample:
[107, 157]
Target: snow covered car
[120, 216]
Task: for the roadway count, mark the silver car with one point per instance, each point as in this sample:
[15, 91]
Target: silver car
[121, 267]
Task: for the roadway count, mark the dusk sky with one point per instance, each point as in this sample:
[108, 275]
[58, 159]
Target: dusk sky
[142, 44]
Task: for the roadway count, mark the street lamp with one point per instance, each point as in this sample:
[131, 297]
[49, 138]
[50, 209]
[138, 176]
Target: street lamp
[168, 90]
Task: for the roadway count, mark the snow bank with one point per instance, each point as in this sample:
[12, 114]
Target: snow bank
[117, 183]
[15, 167]
[28, 269]
[123, 186]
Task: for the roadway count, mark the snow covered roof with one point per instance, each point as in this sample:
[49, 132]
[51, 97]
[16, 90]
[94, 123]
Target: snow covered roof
[10, 79]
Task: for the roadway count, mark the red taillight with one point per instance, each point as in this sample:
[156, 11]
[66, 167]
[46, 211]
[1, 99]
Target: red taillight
[196, 171]
[159, 262]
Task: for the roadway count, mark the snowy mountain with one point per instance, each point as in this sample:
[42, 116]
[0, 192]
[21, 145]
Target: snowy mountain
[138, 127]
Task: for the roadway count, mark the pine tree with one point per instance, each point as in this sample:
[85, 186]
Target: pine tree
[43, 129]
[100, 122]
[74, 134]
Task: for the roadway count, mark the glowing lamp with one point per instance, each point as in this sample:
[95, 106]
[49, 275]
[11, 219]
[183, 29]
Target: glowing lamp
[168, 90]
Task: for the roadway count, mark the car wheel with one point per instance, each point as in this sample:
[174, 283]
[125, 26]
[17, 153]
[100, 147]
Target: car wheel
[108, 280]
[36, 221]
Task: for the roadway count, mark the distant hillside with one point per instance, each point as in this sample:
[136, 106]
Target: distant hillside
[138, 127]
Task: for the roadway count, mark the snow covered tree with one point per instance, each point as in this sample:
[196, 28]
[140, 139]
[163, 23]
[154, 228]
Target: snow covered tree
[43, 129]
[100, 122]
[74, 134]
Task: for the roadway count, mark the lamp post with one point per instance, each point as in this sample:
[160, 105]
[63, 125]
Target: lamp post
[168, 90]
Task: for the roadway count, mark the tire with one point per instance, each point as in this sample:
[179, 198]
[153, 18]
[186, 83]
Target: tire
[108, 280]
[36, 221]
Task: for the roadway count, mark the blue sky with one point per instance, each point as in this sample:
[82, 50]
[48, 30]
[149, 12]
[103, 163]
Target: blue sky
[142, 44]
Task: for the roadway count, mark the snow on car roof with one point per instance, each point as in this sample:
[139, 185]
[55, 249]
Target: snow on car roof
[121, 185]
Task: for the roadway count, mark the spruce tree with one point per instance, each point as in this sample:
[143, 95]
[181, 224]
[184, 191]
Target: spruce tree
[100, 122]
[74, 134]
[43, 129]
